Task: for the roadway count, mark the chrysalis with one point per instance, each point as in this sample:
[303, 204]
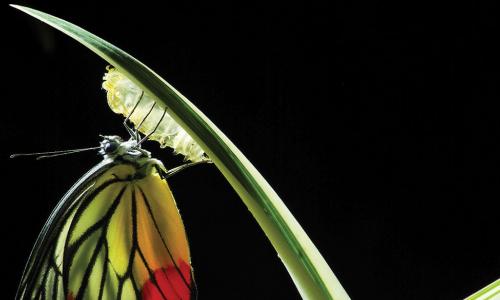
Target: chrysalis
[123, 95]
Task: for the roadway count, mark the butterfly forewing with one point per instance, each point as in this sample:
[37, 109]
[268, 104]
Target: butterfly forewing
[117, 236]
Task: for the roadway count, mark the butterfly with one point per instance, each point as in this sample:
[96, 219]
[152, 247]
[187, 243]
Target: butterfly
[115, 234]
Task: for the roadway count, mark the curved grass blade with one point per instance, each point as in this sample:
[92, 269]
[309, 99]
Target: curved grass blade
[489, 292]
[308, 269]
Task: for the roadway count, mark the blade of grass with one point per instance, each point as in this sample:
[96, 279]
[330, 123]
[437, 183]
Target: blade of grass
[308, 269]
[489, 292]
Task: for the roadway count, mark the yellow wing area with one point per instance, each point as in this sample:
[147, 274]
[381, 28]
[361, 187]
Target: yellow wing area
[124, 239]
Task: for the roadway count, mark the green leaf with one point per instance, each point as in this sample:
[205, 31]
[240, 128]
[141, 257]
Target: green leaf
[308, 269]
[489, 292]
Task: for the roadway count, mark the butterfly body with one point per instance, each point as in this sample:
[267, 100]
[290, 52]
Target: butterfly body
[116, 234]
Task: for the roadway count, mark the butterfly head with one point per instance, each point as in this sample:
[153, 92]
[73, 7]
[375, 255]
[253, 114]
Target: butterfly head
[113, 146]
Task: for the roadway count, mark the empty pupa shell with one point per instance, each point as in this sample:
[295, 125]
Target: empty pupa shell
[123, 95]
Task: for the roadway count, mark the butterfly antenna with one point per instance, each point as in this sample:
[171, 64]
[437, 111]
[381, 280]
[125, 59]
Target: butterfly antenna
[129, 130]
[49, 154]
[156, 127]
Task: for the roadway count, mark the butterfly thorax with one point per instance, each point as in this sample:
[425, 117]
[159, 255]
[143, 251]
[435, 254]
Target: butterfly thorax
[114, 148]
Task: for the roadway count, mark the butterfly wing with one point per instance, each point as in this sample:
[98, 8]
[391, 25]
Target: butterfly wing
[43, 264]
[162, 263]
[121, 238]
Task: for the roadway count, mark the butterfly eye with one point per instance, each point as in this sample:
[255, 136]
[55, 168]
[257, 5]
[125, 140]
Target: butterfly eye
[110, 147]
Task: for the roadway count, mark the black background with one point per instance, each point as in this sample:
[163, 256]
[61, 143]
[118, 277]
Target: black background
[377, 124]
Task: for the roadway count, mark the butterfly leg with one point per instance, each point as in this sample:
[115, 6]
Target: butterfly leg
[156, 127]
[129, 130]
[133, 134]
[138, 139]
[169, 173]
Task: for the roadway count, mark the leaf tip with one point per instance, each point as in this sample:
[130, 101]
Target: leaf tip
[21, 8]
